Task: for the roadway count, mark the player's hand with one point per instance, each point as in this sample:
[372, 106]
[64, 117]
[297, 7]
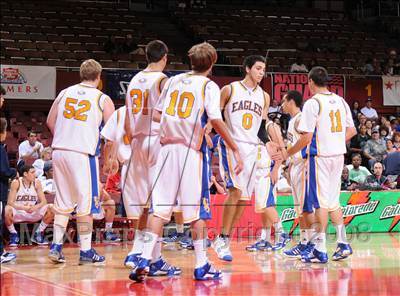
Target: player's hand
[30, 209]
[239, 165]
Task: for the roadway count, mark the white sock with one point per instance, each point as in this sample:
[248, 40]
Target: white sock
[341, 234]
[180, 228]
[138, 242]
[267, 234]
[303, 236]
[42, 227]
[320, 242]
[157, 250]
[85, 241]
[150, 240]
[11, 228]
[201, 252]
[278, 227]
[310, 234]
[109, 226]
[60, 225]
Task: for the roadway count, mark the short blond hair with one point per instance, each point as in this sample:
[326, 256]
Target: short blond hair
[90, 70]
[202, 56]
[46, 150]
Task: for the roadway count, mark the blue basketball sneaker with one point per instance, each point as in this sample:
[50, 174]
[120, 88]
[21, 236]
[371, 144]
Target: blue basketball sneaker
[259, 245]
[162, 268]
[14, 240]
[186, 243]
[132, 260]
[315, 257]
[55, 254]
[7, 257]
[111, 237]
[284, 238]
[39, 238]
[221, 247]
[342, 252]
[91, 256]
[207, 272]
[173, 238]
[139, 273]
[296, 251]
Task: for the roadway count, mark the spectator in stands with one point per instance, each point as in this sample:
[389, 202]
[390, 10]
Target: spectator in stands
[355, 111]
[347, 184]
[111, 45]
[39, 163]
[358, 142]
[130, 46]
[369, 125]
[368, 68]
[274, 107]
[374, 149]
[389, 146]
[392, 163]
[29, 150]
[357, 172]
[377, 67]
[362, 119]
[383, 122]
[384, 132]
[368, 111]
[2, 94]
[392, 65]
[6, 173]
[396, 140]
[47, 179]
[378, 181]
[298, 66]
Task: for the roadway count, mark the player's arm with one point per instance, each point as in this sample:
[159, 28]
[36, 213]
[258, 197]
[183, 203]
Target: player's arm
[52, 117]
[12, 195]
[306, 126]
[220, 189]
[226, 93]
[276, 136]
[162, 88]
[266, 106]
[41, 196]
[350, 129]
[108, 109]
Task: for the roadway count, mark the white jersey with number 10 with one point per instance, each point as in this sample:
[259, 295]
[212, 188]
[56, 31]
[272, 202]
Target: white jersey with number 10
[188, 102]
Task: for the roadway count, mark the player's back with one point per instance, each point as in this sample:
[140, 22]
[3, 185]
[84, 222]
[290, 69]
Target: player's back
[79, 119]
[142, 97]
[330, 133]
[243, 112]
[183, 115]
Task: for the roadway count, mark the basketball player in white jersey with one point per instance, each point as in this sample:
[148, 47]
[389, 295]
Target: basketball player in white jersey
[245, 104]
[267, 171]
[75, 120]
[27, 203]
[291, 104]
[326, 125]
[189, 100]
[142, 96]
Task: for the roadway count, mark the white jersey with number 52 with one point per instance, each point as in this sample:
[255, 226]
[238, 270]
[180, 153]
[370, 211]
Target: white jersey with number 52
[188, 102]
[79, 118]
[327, 115]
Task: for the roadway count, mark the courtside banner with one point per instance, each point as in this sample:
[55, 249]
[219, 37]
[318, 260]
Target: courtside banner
[29, 82]
[117, 81]
[282, 83]
[362, 211]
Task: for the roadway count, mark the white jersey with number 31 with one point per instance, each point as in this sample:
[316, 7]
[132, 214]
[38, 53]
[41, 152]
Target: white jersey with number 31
[327, 115]
[141, 98]
[79, 118]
